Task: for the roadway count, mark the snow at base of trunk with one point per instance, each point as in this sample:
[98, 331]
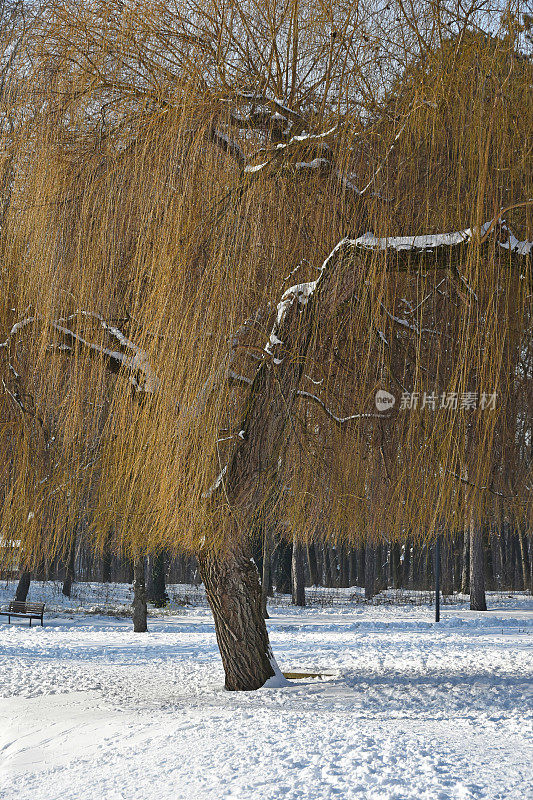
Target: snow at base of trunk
[278, 679]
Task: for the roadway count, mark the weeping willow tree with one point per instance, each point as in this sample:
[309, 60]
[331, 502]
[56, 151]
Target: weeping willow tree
[224, 230]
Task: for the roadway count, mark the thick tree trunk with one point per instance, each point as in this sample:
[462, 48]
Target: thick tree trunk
[477, 577]
[23, 587]
[139, 597]
[298, 574]
[249, 481]
[156, 589]
[232, 586]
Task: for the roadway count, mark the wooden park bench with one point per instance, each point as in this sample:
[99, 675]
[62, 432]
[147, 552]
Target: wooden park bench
[25, 610]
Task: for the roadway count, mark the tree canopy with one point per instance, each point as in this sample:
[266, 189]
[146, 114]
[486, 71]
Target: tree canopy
[223, 231]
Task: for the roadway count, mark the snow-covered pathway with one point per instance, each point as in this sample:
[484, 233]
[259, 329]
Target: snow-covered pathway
[412, 710]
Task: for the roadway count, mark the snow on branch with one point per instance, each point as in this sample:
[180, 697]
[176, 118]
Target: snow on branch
[427, 244]
[229, 146]
[339, 421]
[235, 377]
[216, 484]
[299, 293]
[135, 361]
[141, 375]
[524, 249]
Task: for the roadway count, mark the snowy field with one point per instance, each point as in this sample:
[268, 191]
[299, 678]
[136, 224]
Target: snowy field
[410, 710]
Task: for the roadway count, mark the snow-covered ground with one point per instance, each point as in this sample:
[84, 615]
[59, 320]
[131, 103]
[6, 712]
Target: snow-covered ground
[410, 710]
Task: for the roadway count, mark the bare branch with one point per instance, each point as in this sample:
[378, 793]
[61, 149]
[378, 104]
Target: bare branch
[339, 421]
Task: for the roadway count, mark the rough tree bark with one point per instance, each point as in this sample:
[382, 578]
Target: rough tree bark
[232, 586]
[139, 615]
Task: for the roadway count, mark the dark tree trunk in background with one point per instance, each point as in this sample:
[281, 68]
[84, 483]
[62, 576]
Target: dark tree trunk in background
[446, 578]
[298, 574]
[312, 564]
[487, 555]
[156, 588]
[266, 581]
[409, 563]
[465, 571]
[370, 571]
[457, 555]
[69, 568]
[380, 567]
[477, 562]
[352, 575]
[139, 597]
[427, 568]
[232, 586]
[496, 560]
[530, 546]
[344, 574]
[23, 587]
[523, 558]
[107, 560]
[329, 576]
[283, 577]
[361, 560]
[395, 565]
[508, 542]
[333, 565]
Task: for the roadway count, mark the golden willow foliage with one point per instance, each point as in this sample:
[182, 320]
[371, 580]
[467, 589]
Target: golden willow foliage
[127, 197]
